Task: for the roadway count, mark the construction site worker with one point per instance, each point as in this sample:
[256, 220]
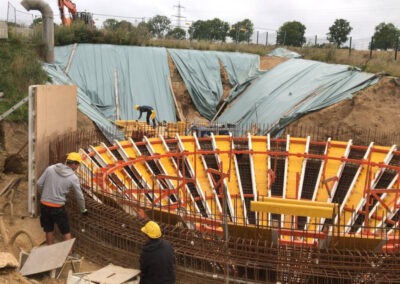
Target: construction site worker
[54, 185]
[157, 257]
[151, 113]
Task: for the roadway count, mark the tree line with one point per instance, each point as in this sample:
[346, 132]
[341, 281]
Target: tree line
[290, 33]
[386, 35]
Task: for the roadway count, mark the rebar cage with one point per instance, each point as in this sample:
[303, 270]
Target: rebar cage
[200, 189]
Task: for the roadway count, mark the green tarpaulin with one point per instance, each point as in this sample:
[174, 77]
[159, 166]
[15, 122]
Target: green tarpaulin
[292, 89]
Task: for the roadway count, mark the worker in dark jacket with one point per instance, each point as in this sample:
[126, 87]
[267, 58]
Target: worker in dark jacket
[157, 257]
[151, 113]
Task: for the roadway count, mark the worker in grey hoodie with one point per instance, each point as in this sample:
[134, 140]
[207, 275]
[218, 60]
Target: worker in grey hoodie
[54, 185]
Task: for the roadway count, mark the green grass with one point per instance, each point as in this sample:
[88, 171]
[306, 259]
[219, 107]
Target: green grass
[19, 68]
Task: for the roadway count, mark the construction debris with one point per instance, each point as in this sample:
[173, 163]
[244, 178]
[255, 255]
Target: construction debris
[7, 260]
[111, 274]
[47, 258]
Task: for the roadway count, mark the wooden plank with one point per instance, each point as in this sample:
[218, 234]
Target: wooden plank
[112, 274]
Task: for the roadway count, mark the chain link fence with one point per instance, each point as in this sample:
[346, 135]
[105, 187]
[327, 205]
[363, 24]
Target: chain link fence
[20, 23]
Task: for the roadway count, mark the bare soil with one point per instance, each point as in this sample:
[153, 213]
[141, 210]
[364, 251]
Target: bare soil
[269, 62]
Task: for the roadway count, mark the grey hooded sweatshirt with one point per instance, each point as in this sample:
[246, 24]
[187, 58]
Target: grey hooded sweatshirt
[55, 183]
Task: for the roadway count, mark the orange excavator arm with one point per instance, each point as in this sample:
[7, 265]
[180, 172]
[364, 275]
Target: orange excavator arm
[71, 9]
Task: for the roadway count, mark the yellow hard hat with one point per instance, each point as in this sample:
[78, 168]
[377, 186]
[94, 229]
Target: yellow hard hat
[152, 230]
[76, 157]
[136, 107]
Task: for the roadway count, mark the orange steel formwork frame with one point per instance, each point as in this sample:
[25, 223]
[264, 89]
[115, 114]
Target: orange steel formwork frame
[183, 180]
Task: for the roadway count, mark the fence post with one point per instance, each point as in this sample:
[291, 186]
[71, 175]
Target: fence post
[315, 44]
[371, 46]
[350, 46]
[266, 40]
[257, 37]
[397, 48]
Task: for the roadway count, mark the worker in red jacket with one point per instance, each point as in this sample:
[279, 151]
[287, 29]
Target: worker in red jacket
[151, 113]
[157, 257]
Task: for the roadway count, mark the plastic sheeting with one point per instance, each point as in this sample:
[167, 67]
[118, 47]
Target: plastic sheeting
[200, 71]
[58, 77]
[141, 75]
[242, 69]
[294, 88]
[283, 52]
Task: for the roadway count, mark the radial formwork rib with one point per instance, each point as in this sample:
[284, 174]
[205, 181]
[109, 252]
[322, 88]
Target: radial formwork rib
[178, 182]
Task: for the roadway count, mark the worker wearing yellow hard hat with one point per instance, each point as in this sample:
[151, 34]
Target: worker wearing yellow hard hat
[157, 257]
[150, 113]
[54, 185]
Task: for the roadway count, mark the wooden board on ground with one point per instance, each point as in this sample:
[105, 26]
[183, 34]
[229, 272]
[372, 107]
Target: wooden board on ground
[112, 274]
[47, 258]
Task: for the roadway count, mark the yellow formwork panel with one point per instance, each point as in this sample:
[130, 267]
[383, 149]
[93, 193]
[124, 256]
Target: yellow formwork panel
[296, 145]
[335, 149]
[294, 209]
[140, 166]
[223, 144]
[294, 167]
[260, 144]
[381, 212]
[201, 174]
[168, 165]
[123, 177]
[356, 194]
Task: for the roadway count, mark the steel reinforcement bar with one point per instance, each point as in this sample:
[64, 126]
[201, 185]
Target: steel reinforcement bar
[108, 234]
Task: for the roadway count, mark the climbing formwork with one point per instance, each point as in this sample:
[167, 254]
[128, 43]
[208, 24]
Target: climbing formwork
[248, 209]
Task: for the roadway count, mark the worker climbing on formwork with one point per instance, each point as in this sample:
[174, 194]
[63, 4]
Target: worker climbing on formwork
[151, 113]
[54, 185]
[157, 257]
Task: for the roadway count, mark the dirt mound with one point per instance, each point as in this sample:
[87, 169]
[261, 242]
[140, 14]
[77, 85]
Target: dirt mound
[375, 108]
[226, 86]
[269, 62]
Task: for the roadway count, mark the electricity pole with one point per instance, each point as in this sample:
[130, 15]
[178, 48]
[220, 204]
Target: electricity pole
[179, 16]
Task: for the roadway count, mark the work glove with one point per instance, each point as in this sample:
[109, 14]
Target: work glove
[85, 212]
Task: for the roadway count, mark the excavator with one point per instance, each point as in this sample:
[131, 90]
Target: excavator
[74, 15]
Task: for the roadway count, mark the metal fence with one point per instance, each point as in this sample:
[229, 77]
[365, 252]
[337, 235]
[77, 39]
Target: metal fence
[19, 22]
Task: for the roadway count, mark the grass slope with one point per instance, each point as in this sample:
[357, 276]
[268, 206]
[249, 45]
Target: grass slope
[20, 67]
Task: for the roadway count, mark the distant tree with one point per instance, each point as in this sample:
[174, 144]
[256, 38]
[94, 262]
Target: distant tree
[215, 29]
[110, 24]
[177, 33]
[339, 31]
[159, 25]
[199, 30]
[125, 25]
[218, 29]
[385, 36]
[292, 33]
[242, 30]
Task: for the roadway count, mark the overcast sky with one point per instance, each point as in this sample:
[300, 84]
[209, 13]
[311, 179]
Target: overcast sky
[317, 16]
